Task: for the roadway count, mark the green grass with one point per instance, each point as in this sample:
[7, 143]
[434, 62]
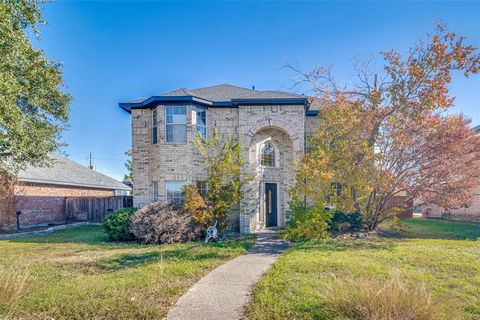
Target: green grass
[77, 274]
[436, 228]
[446, 260]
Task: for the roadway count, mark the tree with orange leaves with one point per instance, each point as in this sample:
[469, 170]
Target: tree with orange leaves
[390, 134]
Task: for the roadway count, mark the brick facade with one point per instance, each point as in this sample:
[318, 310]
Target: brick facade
[284, 125]
[6, 202]
[162, 161]
[42, 204]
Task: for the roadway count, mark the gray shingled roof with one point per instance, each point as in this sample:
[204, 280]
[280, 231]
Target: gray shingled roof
[226, 93]
[66, 172]
[271, 95]
[476, 129]
[178, 92]
[222, 92]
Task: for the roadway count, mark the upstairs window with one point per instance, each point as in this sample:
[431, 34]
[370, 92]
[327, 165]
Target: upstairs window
[267, 154]
[176, 124]
[154, 126]
[202, 123]
[175, 191]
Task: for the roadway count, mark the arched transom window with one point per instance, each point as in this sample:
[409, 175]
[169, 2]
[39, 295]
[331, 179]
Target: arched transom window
[268, 154]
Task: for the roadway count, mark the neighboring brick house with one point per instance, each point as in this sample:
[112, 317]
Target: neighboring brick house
[272, 124]
[40, 192]
[470, 211]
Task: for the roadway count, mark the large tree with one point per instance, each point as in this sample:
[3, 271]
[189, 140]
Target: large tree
[392, 134]
[34, 109]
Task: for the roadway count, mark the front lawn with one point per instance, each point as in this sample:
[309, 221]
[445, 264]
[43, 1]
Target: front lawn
[436, 228]
[445, 262]
[77, 274]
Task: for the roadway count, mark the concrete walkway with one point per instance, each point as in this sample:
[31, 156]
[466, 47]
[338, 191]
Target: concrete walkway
[224, 292]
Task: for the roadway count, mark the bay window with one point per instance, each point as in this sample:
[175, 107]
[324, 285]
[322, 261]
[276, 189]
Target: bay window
[202, 123]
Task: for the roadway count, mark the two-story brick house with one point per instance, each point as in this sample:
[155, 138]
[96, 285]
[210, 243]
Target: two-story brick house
[273, 126]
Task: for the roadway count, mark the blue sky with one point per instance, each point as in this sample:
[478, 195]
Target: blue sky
[118, 51]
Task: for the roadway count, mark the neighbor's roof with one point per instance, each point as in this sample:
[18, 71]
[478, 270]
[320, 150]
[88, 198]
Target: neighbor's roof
[476, 129]
[222, 95]
[69, 173]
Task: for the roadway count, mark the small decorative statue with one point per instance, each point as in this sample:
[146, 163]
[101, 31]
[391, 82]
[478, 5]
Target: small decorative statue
[212, 233]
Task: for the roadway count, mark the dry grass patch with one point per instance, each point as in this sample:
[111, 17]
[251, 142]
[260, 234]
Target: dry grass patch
[13, 286]
[392, 298]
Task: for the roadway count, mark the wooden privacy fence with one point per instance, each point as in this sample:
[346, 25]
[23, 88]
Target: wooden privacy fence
[94, 209]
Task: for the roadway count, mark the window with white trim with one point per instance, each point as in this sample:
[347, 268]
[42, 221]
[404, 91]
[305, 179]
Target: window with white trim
[202, 122]
[174, 190]
[154, 126]
[267, 154]
[176, 124]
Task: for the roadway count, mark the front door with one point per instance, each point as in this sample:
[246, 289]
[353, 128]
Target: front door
[271, 204]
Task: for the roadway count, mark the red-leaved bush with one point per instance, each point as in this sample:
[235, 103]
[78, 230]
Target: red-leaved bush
[164, 222]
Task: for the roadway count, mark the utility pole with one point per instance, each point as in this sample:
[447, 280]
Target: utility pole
[90, 160]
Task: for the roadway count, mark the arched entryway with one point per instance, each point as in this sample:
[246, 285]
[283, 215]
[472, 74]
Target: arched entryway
[271, 154]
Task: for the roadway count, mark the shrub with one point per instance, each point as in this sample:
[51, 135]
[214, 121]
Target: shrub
[379, 299]
[206, 213]
[117, 225]
[395, 226]
[195, 204]
[307, 222]
[342, 221]
[164, 222]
